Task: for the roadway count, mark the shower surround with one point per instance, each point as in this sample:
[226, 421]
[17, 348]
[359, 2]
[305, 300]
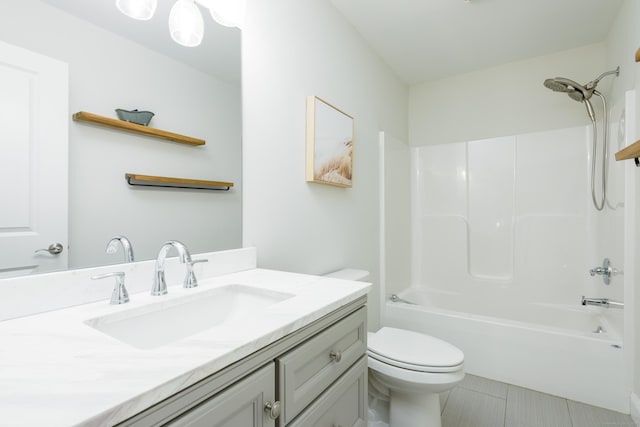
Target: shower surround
[510, 212]
[504, 234]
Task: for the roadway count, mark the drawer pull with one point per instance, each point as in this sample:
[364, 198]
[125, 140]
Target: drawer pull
[273, 409]
[336, 356]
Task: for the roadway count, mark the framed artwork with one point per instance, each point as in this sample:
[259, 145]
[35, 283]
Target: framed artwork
[329, 144]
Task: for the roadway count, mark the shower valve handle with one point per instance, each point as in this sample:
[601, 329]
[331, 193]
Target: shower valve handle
[605, 271]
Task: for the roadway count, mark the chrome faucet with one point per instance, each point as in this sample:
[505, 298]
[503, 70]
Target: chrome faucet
[112, 247]
[119, 294]
[601, 302]
[159, 281]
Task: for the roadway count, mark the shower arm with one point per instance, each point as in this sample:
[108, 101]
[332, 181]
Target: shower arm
[592, 84]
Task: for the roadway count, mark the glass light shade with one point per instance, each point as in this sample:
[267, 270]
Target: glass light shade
[229, 13]
[137, 9]
[186, 24]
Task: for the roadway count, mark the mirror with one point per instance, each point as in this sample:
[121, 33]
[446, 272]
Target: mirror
[117, 62]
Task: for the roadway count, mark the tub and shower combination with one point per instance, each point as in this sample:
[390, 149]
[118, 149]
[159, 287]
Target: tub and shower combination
[550, 348]
[503, 239]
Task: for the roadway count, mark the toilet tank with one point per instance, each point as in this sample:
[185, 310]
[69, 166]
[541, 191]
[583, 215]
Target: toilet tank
[349, 274]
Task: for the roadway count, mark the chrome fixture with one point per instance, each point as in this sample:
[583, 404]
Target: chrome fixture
[581, 93]
[601, 302]
[605, 271]
[53, 249]
[159, 281]
[119, 294]
[112, 247]
[190, 280]
[599, 330]
[396, 298]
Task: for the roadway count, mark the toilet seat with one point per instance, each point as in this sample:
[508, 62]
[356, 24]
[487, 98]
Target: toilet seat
[414, 351]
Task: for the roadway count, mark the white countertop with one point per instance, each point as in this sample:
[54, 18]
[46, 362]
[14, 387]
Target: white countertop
[57, 371]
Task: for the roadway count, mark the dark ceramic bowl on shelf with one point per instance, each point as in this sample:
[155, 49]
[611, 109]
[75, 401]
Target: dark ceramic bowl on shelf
[134, 116]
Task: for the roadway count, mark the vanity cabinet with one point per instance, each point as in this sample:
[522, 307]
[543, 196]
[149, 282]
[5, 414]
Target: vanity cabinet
[316, 375]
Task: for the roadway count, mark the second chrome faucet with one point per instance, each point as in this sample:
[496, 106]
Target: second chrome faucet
[159, 281]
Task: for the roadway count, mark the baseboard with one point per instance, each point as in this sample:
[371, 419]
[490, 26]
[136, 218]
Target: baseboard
[634, 403]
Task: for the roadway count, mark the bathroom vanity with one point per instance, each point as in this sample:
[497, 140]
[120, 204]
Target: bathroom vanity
[317, 373]
[286, 350]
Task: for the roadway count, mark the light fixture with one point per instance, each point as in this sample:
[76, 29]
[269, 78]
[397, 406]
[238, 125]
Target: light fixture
[229, 13]
[186, 24]
[137, 9]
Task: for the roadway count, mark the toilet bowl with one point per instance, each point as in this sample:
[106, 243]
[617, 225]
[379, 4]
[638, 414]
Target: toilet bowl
[413, 368]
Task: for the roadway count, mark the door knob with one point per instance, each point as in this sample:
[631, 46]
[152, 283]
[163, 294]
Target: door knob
[53, 249]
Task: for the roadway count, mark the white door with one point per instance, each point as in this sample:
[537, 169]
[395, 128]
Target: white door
[33, 161]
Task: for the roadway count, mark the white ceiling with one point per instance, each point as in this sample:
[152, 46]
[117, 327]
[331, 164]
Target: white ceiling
[219, 53]
[428, 39]
[421, 40]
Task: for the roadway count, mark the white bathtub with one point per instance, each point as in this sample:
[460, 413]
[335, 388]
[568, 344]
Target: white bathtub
[545, 347]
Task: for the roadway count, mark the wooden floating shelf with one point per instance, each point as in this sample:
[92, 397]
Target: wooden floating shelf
[630, 152]
[638, 55]
[163, 181]
[108, 122]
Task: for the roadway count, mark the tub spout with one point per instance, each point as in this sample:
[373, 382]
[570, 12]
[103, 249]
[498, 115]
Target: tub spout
[601, 302]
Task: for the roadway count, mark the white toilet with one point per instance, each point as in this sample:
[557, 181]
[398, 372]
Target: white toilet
[414, 367]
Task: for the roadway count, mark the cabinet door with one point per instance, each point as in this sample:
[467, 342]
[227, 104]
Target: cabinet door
[241, 405]
[309, 369]
[344, 404]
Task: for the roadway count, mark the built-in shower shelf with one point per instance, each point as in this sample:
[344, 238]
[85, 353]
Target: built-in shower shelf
[630, 152]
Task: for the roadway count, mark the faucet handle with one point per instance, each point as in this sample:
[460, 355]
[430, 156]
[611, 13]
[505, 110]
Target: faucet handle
[119, 294]
[190, 280]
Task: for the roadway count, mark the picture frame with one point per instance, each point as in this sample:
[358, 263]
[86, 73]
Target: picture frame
[329, 144]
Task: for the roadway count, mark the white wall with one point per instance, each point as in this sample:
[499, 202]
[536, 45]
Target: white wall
[108, 72]
[509, 99]
[622, 43]
[292, 49]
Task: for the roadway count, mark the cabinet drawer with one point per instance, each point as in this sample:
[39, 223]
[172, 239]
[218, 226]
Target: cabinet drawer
[343, 404]
[305, 372]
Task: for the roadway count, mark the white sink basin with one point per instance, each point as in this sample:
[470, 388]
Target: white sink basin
[167, 321]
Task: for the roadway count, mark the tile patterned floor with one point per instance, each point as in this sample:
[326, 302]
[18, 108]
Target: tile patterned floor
[479, 402]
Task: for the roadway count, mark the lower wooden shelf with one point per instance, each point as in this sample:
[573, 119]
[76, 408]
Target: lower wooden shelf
[163, 181]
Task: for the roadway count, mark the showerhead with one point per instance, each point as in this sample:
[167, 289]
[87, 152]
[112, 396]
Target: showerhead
[576, 91]
[581, 93]
[560, 84]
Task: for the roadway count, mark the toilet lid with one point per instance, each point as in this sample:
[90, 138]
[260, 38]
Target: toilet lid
[413, 350]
